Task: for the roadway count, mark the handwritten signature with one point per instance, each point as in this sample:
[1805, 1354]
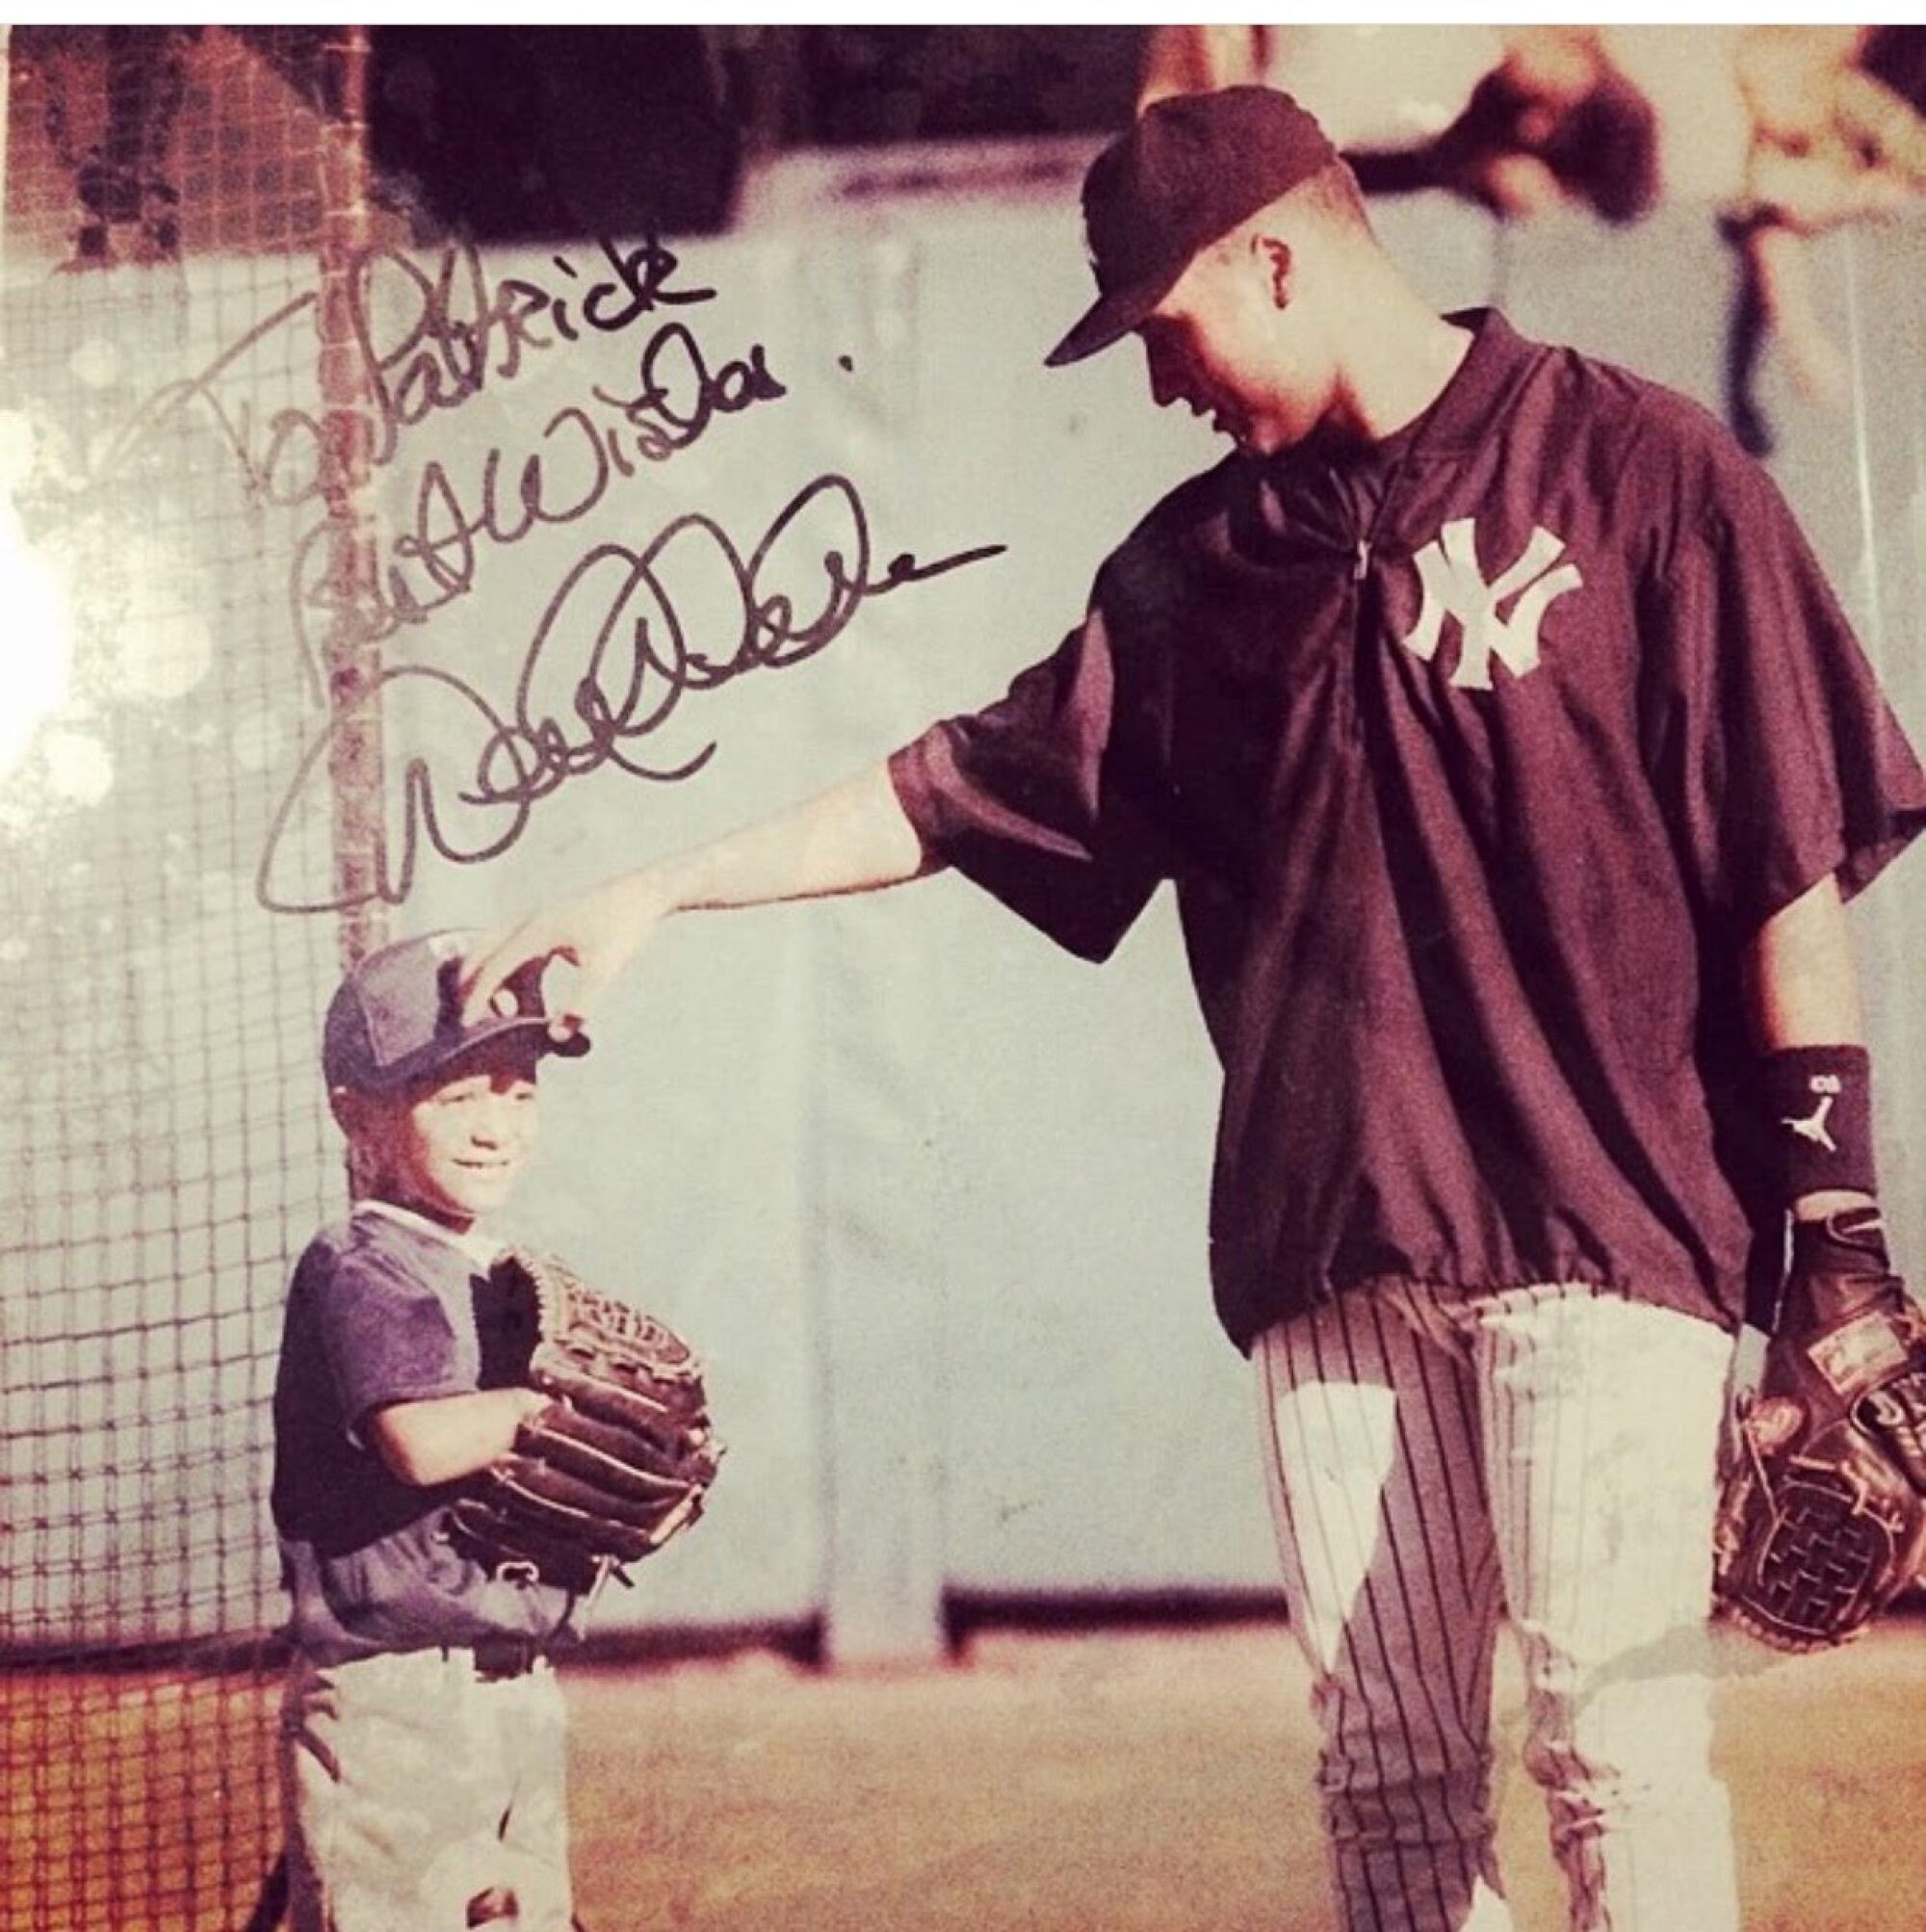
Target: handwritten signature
[629, 636]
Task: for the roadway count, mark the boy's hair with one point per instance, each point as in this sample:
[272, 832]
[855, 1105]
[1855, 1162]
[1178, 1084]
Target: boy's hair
[396, 1018]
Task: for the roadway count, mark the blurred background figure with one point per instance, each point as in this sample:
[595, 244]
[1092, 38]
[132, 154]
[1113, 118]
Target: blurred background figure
[1520, 120]
[1836, 136]
[1784, 131]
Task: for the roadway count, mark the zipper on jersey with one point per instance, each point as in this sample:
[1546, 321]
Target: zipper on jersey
[1354, 600]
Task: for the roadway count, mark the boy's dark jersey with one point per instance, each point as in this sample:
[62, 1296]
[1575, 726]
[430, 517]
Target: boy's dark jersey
[383, 1312]
[1477, 758]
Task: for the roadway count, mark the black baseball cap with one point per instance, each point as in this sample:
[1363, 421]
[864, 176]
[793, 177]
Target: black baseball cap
[397, 1016]
[1192, 168]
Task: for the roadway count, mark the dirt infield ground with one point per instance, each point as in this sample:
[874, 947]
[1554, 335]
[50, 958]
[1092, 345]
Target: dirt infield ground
[1100, 1781]
[1149, 1781]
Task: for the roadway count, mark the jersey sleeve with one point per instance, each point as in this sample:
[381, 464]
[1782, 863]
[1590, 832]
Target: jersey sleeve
[387, 1338]
[1776, 754]
[1053, 799]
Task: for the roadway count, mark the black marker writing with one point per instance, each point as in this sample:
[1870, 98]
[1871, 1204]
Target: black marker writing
[454, 334]
[427, 340]
[629, 636]
[578, 456]
[458, 333]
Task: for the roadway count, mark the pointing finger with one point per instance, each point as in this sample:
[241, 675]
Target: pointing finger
[499, 957]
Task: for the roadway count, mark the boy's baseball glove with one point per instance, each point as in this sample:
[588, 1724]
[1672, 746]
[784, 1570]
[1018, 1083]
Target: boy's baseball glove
[621, 1458]
[1823, 1522]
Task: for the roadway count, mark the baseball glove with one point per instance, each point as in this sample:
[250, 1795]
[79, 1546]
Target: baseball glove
[1823, 1521]
[621, 1458]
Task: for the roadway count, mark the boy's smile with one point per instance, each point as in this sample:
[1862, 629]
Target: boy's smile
[453, 1147]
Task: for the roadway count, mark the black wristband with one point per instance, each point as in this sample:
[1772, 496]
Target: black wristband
[1816, 1120]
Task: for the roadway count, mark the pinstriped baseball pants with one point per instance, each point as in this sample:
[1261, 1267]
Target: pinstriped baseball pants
[1438, 1461]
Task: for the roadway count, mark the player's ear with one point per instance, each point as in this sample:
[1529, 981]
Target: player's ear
[1275, 257]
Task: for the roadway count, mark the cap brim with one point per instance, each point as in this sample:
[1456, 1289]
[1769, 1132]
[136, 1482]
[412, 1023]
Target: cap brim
[444, 1053]
[544, 1026]
[1111, 317]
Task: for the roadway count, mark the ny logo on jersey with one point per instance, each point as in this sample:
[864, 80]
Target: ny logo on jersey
[1447, 568]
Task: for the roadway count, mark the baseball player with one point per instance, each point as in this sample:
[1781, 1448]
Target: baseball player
[422, 1730]
[1510, 759]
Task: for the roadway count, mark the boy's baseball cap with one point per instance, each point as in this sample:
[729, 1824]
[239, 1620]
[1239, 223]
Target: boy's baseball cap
[398, 1015]
[1192, 168]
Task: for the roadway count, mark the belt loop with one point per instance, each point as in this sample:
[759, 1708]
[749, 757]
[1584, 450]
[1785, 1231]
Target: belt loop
[497, 1658]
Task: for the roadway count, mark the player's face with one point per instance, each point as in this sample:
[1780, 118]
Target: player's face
[455, 1149]
[1222, 342]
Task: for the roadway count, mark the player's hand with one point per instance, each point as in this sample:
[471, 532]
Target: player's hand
[598, 932]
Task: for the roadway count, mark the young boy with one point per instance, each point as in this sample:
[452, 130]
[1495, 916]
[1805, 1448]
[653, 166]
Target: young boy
[422, 1742]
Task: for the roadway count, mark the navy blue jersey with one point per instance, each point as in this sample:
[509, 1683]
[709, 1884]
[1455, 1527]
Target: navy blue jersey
[1476, 757]
[381, 1311]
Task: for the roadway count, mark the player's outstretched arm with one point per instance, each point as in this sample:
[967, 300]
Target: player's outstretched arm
[853, 838]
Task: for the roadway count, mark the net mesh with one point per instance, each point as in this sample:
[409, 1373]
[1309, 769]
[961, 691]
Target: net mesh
[166, 1151]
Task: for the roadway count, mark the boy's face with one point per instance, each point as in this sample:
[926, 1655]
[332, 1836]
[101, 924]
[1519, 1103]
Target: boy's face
[452, 1146]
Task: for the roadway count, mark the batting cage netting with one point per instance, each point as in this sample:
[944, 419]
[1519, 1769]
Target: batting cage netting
[178, 204]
